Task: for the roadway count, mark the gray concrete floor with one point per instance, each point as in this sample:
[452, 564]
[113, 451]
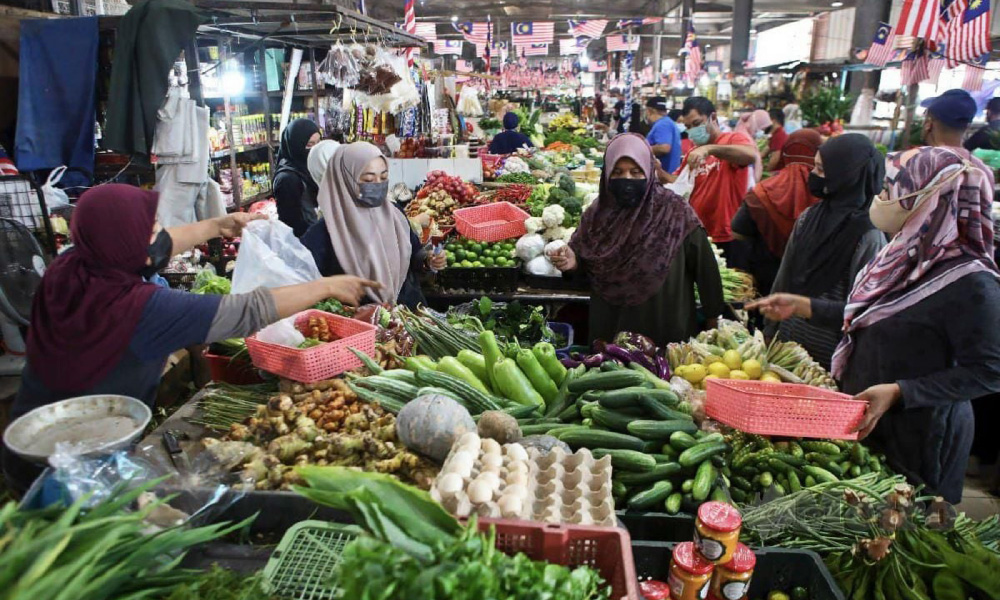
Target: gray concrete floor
[977, 502]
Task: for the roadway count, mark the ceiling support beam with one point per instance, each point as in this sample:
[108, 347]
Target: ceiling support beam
[867, 15]
[742, 23]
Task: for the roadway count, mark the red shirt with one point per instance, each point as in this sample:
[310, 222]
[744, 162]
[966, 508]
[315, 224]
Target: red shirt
[778, 139]
[719, 188]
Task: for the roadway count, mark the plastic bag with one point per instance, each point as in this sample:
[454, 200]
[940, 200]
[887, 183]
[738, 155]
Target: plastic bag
[271, 256]
[55, 197]
[282, 333]
[684, 184]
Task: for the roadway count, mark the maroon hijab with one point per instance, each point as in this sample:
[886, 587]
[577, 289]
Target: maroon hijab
[628, 251]
[92, 297]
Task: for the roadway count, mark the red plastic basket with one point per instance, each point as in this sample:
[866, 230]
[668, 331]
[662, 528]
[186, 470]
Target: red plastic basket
[227, 370]
[491, 222]
[607, 549]
[786, 409]
[321, 362]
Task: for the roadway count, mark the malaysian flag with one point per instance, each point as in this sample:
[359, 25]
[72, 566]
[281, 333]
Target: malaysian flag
[496, 49]
[692, 64]
[448, 47]
[591, 29]
[572, 46]
[934, 68]
[626, 23]
[881, 51]
[973, 81]
[533, 49]
[915, 68]
[527, 32]
[463, 66]
[475, 33]
[920, 18]
[597, 66]
[428, 31]
[966, 30]
[622, 43]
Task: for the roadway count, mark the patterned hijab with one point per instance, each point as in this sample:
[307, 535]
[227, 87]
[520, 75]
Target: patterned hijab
[628, 251]
[947, 236]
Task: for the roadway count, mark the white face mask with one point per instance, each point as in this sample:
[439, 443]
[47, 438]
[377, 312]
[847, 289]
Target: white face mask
[890, 216]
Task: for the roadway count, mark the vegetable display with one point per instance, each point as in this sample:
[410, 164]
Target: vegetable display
[526, 178]
[510, 321]
[207, 282]
[466, 253]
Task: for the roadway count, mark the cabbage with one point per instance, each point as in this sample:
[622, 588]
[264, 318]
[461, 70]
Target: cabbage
[542, 267]
[529, 246]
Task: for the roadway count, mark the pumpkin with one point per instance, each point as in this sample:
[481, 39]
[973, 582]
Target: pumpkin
[430, 425]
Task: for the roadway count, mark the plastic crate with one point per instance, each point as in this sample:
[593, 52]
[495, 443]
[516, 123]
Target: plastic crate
[491, 222]
[483, 279]
[227, 369]
[786, 409]
[305, 562]
[565, 330]
[572, 283]
[319, 362]
[644, 526]
[777, 569]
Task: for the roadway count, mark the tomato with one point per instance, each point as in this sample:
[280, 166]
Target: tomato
[654, 590]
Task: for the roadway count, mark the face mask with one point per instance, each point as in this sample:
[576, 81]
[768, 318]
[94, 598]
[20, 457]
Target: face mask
[159, 254]
[373, 194]
[699, 135]
[628, 193]
[817, 186]
[890, 215]
[680, 127]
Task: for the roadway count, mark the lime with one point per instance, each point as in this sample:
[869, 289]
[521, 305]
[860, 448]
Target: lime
[472, 256]
[488, 261]
[502, 262]
[451, 247]
[477, 264]
[477, 248]
[460, 254]
[508, 247]
[466, 264]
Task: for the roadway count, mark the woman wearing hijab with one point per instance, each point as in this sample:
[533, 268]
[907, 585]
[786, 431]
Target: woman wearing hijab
[833, 239]
[361, 233]
[294, 188]
[98, 327]
[920, 323]
[644, 250]
[770, 209]
[319, 159]
[510, 139]
[753, 124]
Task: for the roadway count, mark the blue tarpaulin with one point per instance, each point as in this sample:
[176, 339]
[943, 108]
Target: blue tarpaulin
[55, 105]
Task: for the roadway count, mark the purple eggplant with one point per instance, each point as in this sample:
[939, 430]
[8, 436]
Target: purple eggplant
[594, 361]
[662, 368]
[618, 353]
[635, 341]
[642, 360]
[569, 363]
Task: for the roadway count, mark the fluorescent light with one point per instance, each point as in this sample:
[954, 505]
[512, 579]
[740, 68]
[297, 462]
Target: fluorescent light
[753, 31]
[454, 19]
[836, 4]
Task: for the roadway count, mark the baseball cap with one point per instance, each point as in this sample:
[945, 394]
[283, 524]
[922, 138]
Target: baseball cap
[954, 108]
[657, 102]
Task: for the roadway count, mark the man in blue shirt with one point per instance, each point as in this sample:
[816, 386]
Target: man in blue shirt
[664, 137]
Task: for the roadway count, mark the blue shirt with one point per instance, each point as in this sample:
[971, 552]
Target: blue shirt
[664, 131]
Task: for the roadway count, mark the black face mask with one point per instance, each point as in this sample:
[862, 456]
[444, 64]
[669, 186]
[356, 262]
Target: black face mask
[628, 193]
[159, 254]
[373, 195]
[817, 186]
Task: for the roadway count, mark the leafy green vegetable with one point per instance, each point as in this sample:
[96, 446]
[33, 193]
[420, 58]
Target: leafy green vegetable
[331, 305]
[207, 282]
[220, 584]
[510, 321]
[517, 178]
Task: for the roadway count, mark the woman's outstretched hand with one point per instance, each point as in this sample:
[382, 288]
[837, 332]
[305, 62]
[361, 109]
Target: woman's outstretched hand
[232, 225]
[781, 307]
[349, 289]
[563, 259]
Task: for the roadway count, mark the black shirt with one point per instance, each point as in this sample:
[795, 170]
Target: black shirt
[985, 138]
[509, 141]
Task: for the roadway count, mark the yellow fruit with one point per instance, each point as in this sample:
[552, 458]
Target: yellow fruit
[732, 359]
[681, 370]
[711, 358]
[752, 368]
[707, 377]
[738, 374]
[771, 376]
[718, 369]
[694, 373]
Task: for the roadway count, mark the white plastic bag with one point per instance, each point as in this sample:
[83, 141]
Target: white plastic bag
[683, 185]
[55, 197]
[282, 333]
[271, 256]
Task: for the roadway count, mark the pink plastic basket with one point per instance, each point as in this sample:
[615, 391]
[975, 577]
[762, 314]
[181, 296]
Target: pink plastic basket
[321, 362]
[786, 409]
[491, 222]
[607, 549]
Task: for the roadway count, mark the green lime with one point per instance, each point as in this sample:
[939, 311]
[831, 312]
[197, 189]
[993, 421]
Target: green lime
[502, 262]
[477, 264]
[460, 254]
[466, 264]
[488, 261]
[477, 248]
[507, 247]
[452, 247]
[472, 256]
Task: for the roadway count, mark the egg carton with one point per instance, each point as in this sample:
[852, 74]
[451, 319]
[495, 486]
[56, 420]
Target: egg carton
[481, 477]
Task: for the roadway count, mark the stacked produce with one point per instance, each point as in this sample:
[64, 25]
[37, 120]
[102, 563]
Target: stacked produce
[737, 285]
[525, 178]
[413, 543]
[322, 423]
[439, 198]
[881, 540]
[515, 193]
[511, 322]
[466, 253]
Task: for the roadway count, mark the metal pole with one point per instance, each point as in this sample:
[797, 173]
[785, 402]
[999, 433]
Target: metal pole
[911, 108]
[237, 176]
[315, 86]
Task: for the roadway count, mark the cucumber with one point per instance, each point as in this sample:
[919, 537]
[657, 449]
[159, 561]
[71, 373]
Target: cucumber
[623, 398]
[657, 410]
[539, 428]
[703, 481]
[681, 440]
[711, 437]
[627, 460]
[697, 454]
[765, 479]
[779, 489]
[662, 458]
[719, 494]
[562, 399]
[673, 503]
[809, 481]
[823, 447]
[609, 366]
[596, 438]
[739, 495]
[605, 380]
[520, 411]
[659, 430]
[687, 485]
[790, 459]
[610, 419]
[570, 413]
[820, 475]
[742, 483]
[655, 494]
[661, 471]
[618, 490]
[669, 450]
[587, 409]
[794, 485]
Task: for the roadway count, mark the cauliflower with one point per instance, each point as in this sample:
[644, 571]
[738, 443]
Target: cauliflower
[554, 233]
[515, 165]
[529, 246]
[534, 225]
[589, 199]
[568, 234]
[553, 215]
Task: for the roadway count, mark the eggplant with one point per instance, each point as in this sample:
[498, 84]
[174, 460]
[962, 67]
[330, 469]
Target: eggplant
[569, 363]
[618, 353]
[594, 360]
[644, 361]
[662, 368]
[635, 341]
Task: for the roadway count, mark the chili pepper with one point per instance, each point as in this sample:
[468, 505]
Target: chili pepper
[513, 384]
[452, 366]
[539, 379]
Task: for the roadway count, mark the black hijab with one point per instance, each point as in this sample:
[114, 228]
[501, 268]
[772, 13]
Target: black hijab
[292, 153]
[831, 229]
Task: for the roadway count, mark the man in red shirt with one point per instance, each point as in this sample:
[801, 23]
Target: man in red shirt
[720, 164]
[778, 138]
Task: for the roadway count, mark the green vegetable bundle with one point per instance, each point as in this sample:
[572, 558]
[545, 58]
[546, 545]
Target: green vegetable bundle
[517, 178]
[207, 282]
[418, 550]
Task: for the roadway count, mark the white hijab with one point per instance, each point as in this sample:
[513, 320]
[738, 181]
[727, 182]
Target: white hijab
[319, 159]
[373, 243]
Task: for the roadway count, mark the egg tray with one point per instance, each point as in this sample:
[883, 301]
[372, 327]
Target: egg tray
[559, 487]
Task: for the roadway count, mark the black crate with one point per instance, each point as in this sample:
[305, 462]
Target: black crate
[542, 282]
[657, 526]
[479, 279]
[777, 569]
